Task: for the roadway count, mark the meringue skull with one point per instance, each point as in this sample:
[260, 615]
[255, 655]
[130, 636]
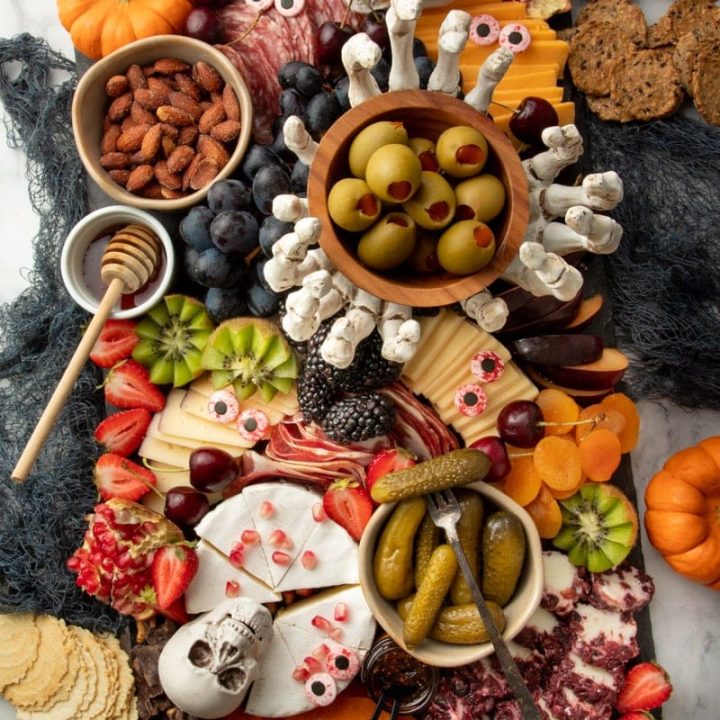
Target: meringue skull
[208, 665]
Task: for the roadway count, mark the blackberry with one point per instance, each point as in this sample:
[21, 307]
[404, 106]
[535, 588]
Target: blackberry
[315, 397]
[359, 417]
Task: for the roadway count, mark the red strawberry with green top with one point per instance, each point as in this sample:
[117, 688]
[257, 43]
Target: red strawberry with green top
[636, 715]
[118, 477]
[176, 611]
[116, 342]
[647, 686]
[387, 461]
[121, 433]
[128, 386]
[173, 567]
[348, 503]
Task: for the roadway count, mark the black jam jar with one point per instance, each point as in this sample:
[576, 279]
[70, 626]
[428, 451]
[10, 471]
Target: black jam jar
[390, 672]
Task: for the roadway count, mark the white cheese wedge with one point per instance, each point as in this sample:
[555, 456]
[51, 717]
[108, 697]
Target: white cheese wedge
[209, 587]
[196, 404]
[283, 403]
[154, 431]
[162, 452]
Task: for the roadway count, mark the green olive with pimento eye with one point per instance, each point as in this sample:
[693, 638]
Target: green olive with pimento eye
[388, 243]
[466, 247]
[432, 207]
[424, 257]
[393, 173]
[352, 205]
[462, 151]
[479, 198]
[371, 138]
[425, 150]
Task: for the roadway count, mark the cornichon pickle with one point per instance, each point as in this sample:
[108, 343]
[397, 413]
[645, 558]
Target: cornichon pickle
[503, 554]
[458, 624]
[427, 539]
[392, 564]
[469, 530]
[430, 595]
[455, 468]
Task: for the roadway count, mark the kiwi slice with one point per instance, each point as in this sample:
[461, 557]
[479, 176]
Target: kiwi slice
[599, 527]
[173, 336]
[250, 354]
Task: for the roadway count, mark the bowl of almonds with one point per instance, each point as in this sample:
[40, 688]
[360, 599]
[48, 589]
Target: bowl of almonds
[161, 119]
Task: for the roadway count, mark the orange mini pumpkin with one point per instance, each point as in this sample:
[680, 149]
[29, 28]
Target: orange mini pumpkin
[683, 512]
[98, 27]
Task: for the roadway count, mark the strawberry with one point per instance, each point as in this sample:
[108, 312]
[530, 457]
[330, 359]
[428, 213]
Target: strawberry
[173, 567]
[348, 503]
[118, 477]
[387, 461]
[128, 386]
[116, 342]
[636, 715]
[176, 612]
[122, 432]
[647, 686]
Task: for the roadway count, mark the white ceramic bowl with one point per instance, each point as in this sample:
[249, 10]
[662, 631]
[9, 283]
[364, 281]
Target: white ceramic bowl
[95, 225]
[518, 611]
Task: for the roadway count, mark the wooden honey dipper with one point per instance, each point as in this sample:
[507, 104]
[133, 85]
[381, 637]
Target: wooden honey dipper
[127, 264]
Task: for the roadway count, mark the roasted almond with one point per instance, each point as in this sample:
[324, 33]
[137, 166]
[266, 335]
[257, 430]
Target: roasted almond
[226, 131]
[120, 176]
[115, 160]
[213, 150]
[188, 135]
[117, 85]
[230, 103]
[206, 171]
[168, 194]
[161, 85]
[168, 146]
[151, 143]
[170, 131]
[141, 115]
[150, 99]
[127, 123]
[207, 77]
[165, 177]
[187, 85]
[180, 158]
[152, 190]
[148, 70]
[190, 170]
[174, 116]
[136, 77]
[170, 66]
[139, 177]
[120, 107]
[131, 139]
[213, 116]
[185, 102]
[108, 144]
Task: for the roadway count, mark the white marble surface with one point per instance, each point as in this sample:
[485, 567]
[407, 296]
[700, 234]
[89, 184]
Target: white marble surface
[686, 617]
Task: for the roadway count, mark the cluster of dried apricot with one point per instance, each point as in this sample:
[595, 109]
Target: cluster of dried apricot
[555, 447]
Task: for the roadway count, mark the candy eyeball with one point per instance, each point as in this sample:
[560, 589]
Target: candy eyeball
[320, 689]
[471, 399]
[223, 406]
[515, 38]
[484, 30]
[289, 8]
[486, 366]
[342, 664]
[252, 424]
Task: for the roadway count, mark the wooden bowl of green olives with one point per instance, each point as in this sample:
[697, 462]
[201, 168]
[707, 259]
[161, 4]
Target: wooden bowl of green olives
[423, 200]
[456, 636]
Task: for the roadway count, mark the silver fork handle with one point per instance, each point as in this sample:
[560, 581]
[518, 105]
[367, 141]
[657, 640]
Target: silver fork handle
[509, 668]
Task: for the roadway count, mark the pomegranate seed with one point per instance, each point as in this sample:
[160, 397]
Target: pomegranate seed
[250, 537]
[97, 557]
[321, 652]
[237, 555]
[309, 560]
[279, 539]
[266, 509]
[281, 558]
[140, 562]
[300, 673]
[342, 612]
[92, 586]
[107, 564]
[73, 563]
[124, 561]
[321, 623]
[94, 546]
[336, 634]
[98, 529]
[232, 588]
[304, 592]
[318, 512]
[148, 527]
[288, 597]
[312, 664]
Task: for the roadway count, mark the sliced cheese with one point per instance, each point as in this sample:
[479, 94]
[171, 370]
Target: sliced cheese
[513, 96]
[285, 403]
[565, 111]
[156, 433]
[542, 78]
[197, 405]
[163, 452]
[514, 69]
[542, 51]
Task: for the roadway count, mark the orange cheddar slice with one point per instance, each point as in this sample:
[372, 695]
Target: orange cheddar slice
[543, 51]
[512, 97]
[529, 81]
[565, 111]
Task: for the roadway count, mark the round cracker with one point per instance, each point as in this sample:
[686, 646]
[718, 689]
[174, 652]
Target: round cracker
[689, 48]
[125, 677]
[706, 87]
[607, 109]
[96, 708]
[626, 17]
[111, 701]
[688, 15]
[91, 671]
[659, 34]
[594, 51]
[19, 642]
[647, 85]
[44, 678]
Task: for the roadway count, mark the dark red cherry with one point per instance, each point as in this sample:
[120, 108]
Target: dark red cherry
[211, 470]
[532, 116]
[330, 40]
[519, 424]
[373, 25]
[494, 448]
[203, 24]
[185, 506]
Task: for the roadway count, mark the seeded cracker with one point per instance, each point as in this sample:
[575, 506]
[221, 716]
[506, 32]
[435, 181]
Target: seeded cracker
[688, 15]
[607, 109]
[661, 33]
[689, 47]
[626, 17]
[647, 85]
[593, 54]
[43, 680]
[19, 641]
[706, 87]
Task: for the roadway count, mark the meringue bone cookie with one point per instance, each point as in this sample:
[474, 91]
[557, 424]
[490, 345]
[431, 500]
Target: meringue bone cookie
[207, 666]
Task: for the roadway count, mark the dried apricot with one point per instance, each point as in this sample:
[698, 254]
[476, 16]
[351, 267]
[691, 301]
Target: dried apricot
[564, 494]
[545, 512]
[626, 407]
[557, 461]
[603, 418]
[600, 454]
[557, 407]
[523, 483]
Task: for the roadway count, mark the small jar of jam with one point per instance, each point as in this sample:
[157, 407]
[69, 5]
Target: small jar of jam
[390, 672]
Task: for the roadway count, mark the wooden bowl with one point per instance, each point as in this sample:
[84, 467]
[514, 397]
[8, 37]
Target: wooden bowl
[91, 102]
[424, 114]
[518, 611]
